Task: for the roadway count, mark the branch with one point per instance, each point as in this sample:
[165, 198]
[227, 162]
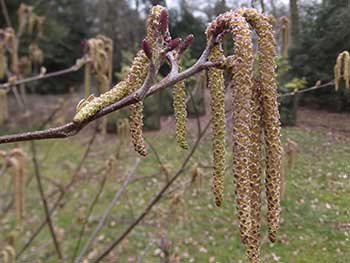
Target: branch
[74, 68]
[5, 13]
[105, 214]
[45, 204]
[72, 128]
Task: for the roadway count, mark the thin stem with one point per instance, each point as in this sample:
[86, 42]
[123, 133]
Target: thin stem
[155, 200]
[5, 13]
[106, 213]
[44, 201]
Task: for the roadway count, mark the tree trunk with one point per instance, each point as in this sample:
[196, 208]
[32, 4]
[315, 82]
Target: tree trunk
[294, 19]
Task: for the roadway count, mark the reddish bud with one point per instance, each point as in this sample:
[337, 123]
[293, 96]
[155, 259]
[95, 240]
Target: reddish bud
[174, 43]
[163, 21]
[186, 43]
[146, 48]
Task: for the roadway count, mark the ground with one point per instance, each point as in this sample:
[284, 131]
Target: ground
[186, 223]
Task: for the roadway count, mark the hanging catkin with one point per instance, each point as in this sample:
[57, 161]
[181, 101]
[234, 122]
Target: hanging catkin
[87, 80]
[342, 70]
[179, 105]
[285, 36]
[242, 84]
[253, 248]
[133, 81]
[3, 106]
[267, 54]
[217, 103]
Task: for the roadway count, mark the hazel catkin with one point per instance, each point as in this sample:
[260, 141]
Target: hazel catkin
[271, 123]
[217, 103]
[179, 105]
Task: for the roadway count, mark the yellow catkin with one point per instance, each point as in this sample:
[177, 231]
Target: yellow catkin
[36, 55]
[3, 106]
[11, 254]
[271, 123]
[342, 70]
[179, 105]
[17, 162]
[217, 95]
[137, 70]
[24, 13]
[242, 84]
[253, 248]
[11, 41]
[285, 36]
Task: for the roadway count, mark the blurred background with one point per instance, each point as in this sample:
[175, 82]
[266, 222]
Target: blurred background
[185, 226]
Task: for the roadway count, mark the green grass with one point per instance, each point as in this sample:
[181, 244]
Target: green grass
[315, 202]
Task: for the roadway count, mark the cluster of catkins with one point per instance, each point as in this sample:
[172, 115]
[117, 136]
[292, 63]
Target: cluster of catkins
[29, 21]
[154, 47]
[342, 70]
[256, 125]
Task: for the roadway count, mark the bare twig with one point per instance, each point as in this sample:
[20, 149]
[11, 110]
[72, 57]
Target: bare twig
[106, 213]
[155, 200]
[44, 201]
[91, 209]
[328, 84]
[74, 68]
[5, 13]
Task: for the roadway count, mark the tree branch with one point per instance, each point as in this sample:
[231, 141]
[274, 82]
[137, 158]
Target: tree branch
[72, 128]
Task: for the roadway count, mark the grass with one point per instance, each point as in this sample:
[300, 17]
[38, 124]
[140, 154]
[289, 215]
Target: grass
[315, 204]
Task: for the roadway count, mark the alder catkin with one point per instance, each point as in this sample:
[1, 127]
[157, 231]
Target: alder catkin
[253, 247]
[342, 70]
[217, 95]
[179, 105]
[241, 72]
[271, 122]
[3, 62]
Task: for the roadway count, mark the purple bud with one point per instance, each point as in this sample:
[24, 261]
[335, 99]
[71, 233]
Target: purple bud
[163, 21]
[174, 43]
[146, 48]
[186, 43]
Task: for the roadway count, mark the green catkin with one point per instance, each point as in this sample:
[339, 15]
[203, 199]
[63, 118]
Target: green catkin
[217, 95]
[179, 105]
[271, 122]
[253, 248]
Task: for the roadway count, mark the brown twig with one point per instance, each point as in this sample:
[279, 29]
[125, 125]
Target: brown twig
[74, 68]
[155, 200]
[107, 211]
[5, 13]
[45, 203]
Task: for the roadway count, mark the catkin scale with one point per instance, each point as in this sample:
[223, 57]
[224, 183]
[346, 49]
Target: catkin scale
[179, 105]
[271, 123]
[217, 95]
